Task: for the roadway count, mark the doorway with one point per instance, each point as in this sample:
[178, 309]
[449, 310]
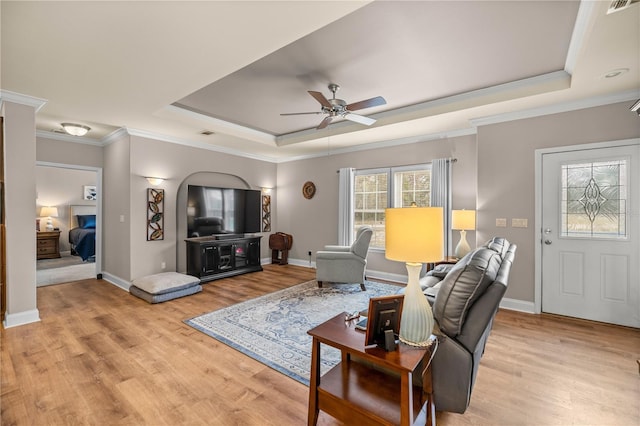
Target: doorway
[589, 245]
[71, 190]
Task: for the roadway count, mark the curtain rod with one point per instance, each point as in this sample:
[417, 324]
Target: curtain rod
[453, 160]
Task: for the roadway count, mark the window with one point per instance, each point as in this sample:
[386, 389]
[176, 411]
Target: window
[594, 199]
[377, 189]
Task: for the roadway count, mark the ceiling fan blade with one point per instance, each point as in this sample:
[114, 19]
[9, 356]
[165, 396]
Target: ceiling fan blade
[300, 113]
[320, 98]
[360, 119]
[377, 101]
[324, 123]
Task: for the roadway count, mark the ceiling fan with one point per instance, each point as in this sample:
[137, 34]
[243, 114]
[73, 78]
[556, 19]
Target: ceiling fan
[339, 108]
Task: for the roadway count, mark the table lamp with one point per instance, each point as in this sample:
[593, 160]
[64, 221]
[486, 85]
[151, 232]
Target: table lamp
[49, 212]
[463, 220]
[415, 235]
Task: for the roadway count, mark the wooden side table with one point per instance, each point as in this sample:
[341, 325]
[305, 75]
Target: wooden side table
[356, 392]
[48, 245]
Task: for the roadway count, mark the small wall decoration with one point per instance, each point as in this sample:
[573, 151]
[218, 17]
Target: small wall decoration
[155, 214]
[89, 193]
[308, 190]
[266, 213]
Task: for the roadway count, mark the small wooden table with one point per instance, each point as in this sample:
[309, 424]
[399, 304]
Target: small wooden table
[357, 393]
[48, 245]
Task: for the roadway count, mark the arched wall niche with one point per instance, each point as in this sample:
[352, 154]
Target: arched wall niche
[214, 179]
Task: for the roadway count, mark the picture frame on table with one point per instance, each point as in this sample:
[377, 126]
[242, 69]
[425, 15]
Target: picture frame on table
[384, 314]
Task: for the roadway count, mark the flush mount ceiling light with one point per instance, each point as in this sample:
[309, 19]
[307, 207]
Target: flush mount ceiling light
[75, 129]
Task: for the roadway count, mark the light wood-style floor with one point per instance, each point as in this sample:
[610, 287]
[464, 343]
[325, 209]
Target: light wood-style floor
[103, 357]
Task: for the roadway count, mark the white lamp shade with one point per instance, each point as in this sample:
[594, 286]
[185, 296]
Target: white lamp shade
[463, 220]
[414, 234]
[49, 212]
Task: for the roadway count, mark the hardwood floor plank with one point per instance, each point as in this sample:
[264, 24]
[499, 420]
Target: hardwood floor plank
[101, 356]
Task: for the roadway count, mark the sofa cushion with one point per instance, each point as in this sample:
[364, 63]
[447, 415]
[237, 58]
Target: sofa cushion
[165, 282]
[462, 286]
[498, 244]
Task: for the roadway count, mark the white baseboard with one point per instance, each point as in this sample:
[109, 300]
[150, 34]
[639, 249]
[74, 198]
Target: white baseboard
[21, 318]
[518, 305]
[117, 281]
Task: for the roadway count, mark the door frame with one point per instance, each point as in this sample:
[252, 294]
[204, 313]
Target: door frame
[98, 171]
[539, 153]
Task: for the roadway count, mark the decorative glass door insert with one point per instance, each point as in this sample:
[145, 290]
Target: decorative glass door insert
[594, 199]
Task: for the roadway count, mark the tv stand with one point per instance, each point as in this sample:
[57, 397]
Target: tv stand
[212, 258]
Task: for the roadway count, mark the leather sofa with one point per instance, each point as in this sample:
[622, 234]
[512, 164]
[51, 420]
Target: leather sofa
[465, 299]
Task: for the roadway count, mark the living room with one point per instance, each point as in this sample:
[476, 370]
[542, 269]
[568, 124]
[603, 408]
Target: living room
[495, 173]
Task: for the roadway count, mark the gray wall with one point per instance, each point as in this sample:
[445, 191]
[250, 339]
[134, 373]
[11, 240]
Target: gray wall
[180, 165]
[498, 165]
[314, 223]
[506, 173]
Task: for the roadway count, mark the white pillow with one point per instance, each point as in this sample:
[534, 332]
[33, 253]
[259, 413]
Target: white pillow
[165, 282]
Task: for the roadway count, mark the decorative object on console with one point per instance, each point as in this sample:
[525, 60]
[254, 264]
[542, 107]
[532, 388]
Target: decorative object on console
[155, 214]
[415, 235]
[90, 193]
[49, 212]
[463, 220]
[75, 129]
[308, 190]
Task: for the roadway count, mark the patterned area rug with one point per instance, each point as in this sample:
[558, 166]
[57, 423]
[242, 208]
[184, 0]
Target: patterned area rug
[273, 328]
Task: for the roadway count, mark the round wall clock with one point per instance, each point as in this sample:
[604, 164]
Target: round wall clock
[308, 190]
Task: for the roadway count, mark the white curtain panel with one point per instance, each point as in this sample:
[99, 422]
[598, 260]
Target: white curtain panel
[345, 206]
[441, 195]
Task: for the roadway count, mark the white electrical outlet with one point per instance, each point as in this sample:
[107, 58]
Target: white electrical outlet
[163, 265]
[121, 218]
[501, 222]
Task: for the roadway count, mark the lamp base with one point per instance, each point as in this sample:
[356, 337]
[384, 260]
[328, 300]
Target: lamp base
[49, 226]
[463, 246]
[416, 323]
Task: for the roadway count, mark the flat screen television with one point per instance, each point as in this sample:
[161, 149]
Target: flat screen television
[222, 211]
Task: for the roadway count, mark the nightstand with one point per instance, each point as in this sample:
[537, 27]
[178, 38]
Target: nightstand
[47, 245]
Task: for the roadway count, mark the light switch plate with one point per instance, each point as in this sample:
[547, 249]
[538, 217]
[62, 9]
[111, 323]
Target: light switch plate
[501, 222]
[519, 223]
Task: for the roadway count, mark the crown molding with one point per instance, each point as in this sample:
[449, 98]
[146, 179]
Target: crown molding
[195, 144]
[17, 98]
[46, 134]
[557, 108]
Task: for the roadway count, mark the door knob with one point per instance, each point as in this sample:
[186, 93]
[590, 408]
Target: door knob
[547, 242]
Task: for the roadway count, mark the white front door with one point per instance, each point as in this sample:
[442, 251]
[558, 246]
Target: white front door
[591, 234]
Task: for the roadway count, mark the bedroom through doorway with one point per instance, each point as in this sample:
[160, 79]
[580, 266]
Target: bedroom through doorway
[67, 223]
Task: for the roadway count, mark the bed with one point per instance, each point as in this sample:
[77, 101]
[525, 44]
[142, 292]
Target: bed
[82, 231]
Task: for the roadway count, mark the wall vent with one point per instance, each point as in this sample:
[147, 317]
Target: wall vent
[618, 5]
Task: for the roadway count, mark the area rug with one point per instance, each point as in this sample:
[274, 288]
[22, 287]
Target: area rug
[273, 328]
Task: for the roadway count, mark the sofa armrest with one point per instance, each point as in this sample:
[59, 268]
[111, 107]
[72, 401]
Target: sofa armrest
[337, 248]
[337, 255]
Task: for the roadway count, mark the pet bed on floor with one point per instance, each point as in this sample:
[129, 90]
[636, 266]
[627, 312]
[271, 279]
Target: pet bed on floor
[164, 286]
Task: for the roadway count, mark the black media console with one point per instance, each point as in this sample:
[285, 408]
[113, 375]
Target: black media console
[221, 256]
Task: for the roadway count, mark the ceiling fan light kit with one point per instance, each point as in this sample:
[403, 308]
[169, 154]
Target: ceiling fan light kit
[339, 108]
